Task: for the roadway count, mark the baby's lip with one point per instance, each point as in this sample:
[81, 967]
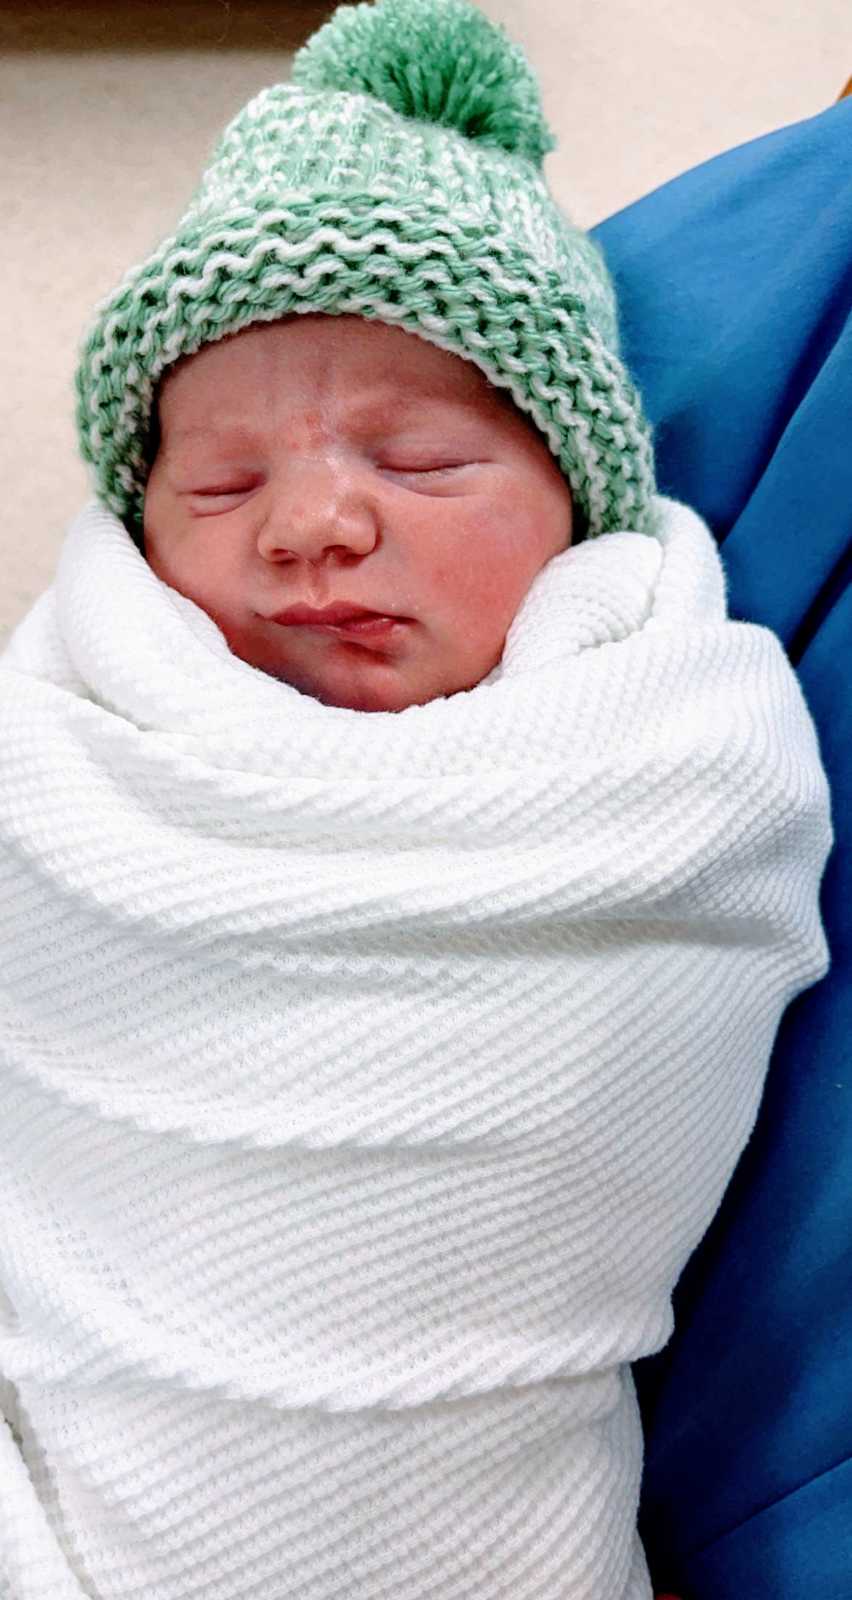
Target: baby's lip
[341, 611]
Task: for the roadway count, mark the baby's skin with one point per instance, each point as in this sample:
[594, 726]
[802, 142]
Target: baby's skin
[320, 460]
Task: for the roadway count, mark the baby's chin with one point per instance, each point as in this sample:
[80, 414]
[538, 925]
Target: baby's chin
[357, 677]
[375, 695]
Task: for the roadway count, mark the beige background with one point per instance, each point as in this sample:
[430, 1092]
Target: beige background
[108, 114]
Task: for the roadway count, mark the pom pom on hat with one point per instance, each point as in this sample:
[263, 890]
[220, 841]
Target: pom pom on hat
[438, 61]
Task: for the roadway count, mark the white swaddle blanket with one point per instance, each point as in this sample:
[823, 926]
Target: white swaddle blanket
[367, 1079]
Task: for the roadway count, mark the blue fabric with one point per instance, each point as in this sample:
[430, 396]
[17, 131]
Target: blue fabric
[735, 288]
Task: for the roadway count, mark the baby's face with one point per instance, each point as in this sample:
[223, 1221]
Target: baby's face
[321, 460]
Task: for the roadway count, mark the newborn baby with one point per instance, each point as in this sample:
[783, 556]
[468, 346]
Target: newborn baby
[324, 462]
[366, 1081]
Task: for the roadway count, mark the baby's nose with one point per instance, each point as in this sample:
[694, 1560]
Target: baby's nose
[320, 504]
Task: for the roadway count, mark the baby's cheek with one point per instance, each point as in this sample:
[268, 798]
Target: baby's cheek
[502, 574]
[486, 555]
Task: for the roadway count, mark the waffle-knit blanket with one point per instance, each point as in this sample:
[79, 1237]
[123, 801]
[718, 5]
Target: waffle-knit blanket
[367, 1079]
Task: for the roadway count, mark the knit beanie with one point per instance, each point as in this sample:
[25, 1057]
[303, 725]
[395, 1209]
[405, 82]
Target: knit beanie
[397, 176]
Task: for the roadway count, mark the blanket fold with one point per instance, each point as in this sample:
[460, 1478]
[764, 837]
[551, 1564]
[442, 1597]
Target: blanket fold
[367, 1079]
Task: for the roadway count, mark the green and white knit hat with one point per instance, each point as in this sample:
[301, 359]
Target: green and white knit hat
[398, 176]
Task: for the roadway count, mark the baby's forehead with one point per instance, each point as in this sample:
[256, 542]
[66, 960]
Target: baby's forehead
[316, 371]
